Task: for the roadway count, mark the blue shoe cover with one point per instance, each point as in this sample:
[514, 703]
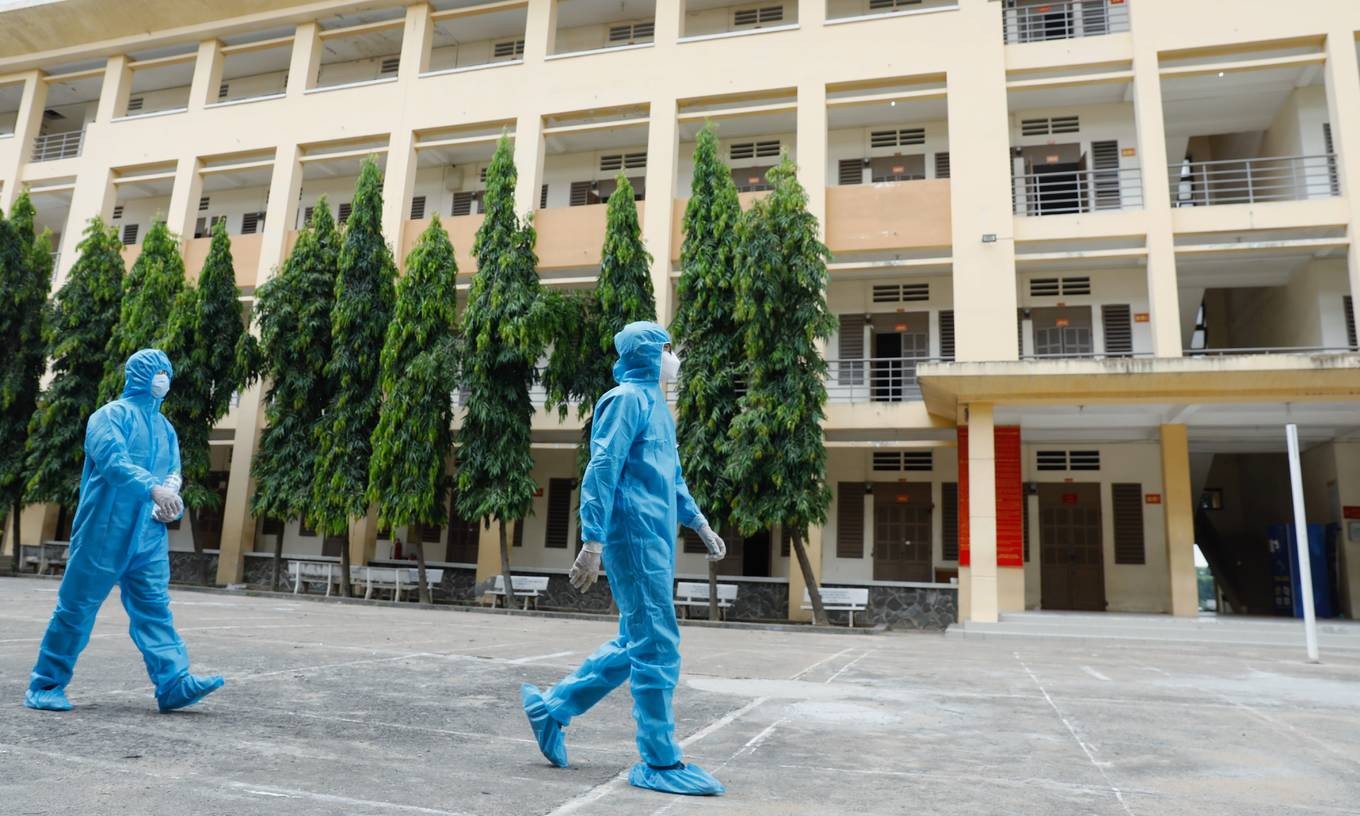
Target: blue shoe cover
[47, 700]
[190, 689]
[690, 780]
[551, 741]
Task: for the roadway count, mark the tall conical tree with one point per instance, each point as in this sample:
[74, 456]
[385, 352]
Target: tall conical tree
[777, 456]
[77, 336]
[708, 334]
[150, 289]
[364, 297]
[582, 364]
[25, 279]
[294, 314]
[502, 336]
[406, 476]
[205, 327]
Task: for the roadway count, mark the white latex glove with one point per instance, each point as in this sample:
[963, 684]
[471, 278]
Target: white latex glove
[168, 503]
[717, 549]
[174, 482]
[586, 570]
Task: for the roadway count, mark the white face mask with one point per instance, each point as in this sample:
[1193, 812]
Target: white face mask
[670, 366]
[160, 385]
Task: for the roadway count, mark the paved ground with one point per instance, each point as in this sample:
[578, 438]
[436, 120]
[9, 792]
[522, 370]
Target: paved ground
[354, 709]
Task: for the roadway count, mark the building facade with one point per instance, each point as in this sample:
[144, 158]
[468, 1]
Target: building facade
[1090, 256]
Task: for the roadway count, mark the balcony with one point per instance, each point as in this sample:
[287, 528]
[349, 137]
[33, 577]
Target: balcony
[245, 257]
[889, 216]
[874, 379]
[1027, 21]
[54, 146]
[1065, 191]
[1252, 181]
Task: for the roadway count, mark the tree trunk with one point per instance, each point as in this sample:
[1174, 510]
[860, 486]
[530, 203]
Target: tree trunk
[17, 555]
[420, 571]
[814, 591]
[505, 567]
[278, 562]
[344, 568]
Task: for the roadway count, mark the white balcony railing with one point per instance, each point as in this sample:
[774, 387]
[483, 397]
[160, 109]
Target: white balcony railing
[1077, 191]
[875, 379]
[1249, 181]
[1037, 22]
[53, 146]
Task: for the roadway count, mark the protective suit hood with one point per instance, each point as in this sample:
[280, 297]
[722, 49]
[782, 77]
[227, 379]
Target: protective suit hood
[639, 346]
[140, 368]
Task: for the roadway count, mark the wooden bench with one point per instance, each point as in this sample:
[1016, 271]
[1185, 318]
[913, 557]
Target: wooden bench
[51, 555]
[525, 586]
[841, 599]
[393, 578]
[313, 572]
[695, 593]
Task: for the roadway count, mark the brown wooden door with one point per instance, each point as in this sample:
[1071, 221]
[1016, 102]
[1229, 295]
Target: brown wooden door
[1071, 547]
[902, 544]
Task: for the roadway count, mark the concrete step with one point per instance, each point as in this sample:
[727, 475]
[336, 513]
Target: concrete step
[1097, 628]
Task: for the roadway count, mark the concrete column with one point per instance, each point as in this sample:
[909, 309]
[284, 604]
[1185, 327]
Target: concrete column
[305, 60]
[1343, 102]
[812, 149]
[489, 551]
[1180, 520]
[984, 601]
[415, 43]
[797, 585]
[980, 184]
[1163, 296]
[812, 14]
[540, 30]
[663, 148]
[93, 196]
[37, 523]
[113, 94]
[26, 129]
[399, 180]
[238, 525]
[184, 196]
[528, 160]
[670, 23]
[363, 538]
[207, 75]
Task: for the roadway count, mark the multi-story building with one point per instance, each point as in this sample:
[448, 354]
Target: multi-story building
[1091, 256]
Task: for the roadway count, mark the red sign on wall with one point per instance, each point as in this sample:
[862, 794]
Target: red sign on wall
[1350, 512]
[1154, 498]
[1069, 498]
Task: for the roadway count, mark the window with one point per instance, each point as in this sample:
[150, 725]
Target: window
[629, 33]
[223, 90]
[463, 537]
[739, 151]
[251, 223]
[389, 66]
[204, 227]
[755, 17]
[1348, 304]
[424, 533]
[850, 171]
[129, 234]
[510, 49]
[343, 214]
[889, 5]
[850, 520]
[692, 543]
[417, 207]
[1118, 329]
[901, 292]
[1067, 460]
[271, 526]
[947, 334]
[897, 138]
[543, 197]
[1127, 499]
[919, 461]
[1049, 126]
[751, 179]
[942, 165]
[203, 204]
[118, 212]
[135, 104]
[466, 203]
[559, 513]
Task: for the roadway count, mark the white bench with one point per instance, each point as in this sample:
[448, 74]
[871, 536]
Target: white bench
[525, 586]
[393, 578]
[841, 599]
[47, 560]
[694, 593]
[313, 572]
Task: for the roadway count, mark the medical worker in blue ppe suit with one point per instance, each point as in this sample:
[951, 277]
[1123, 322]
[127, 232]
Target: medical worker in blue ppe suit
[631, 498]
[129, 491]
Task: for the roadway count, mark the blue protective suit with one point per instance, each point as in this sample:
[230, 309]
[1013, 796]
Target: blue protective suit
[129, 449]
[632, 494]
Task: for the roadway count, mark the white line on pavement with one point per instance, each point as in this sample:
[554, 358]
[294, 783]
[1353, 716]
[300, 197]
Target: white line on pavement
[1097, 675]
[536, 658]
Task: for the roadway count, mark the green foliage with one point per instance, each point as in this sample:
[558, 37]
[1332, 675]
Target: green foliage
[294, 313]
[205, 327]
[25, 279]
[707, 331]
[364, 297]
[582, 364]
[76, 338]
[419, 375]
[149, 293]
[776, 456]
[503, 334]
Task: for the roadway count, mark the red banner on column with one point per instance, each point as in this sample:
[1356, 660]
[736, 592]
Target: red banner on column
[1010, 495]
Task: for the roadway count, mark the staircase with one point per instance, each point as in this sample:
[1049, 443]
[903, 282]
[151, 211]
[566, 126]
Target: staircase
[1108, 627]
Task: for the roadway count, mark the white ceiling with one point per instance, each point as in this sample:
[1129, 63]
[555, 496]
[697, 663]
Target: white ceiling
[633, 137]
[480, 28]
[739, 127]
[1233, 103]
[238, 180]
[576, 13]
[367, 45]
[904, 114]
[1098, 93]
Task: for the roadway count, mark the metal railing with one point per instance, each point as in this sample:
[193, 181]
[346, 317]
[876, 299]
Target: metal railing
[1248, 181]
[1256, 351]
[1077, 191]
[875, 379]
[53, 146]
[1063, 20]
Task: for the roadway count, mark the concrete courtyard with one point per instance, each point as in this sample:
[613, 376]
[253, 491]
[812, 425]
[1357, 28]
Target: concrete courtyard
[338, 708]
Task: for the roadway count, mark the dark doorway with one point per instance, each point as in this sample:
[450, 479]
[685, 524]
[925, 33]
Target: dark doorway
[902, 543]
[900, 342]
[1072, 558]
[755, 554]
[1057, 189]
